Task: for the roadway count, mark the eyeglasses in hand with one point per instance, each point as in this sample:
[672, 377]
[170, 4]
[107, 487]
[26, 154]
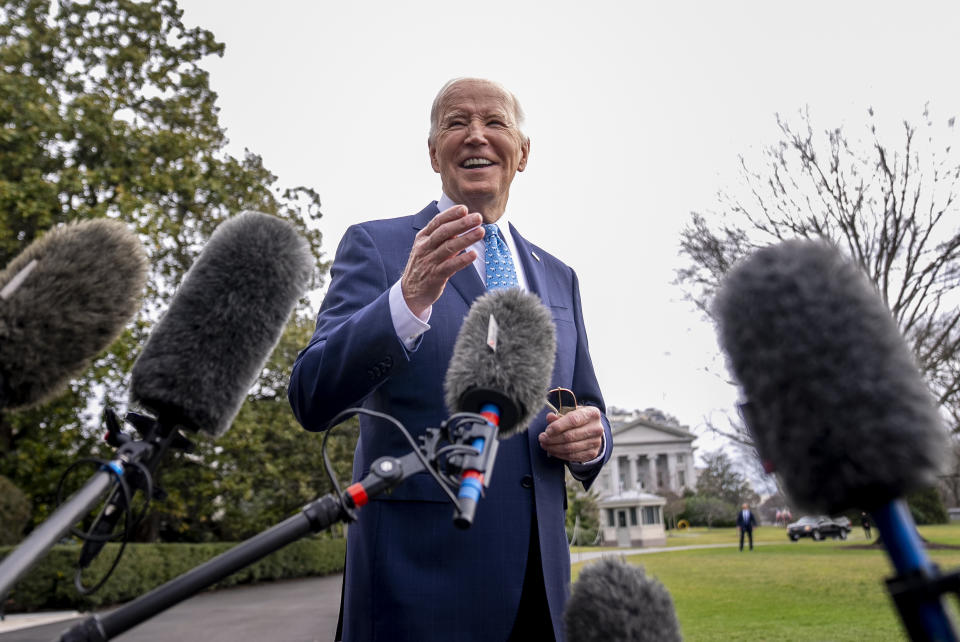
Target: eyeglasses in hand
[561, 401]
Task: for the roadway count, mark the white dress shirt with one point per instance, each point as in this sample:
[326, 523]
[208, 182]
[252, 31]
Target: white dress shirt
[409, 327]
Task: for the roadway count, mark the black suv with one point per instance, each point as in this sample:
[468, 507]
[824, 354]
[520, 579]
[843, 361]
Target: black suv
[819, 528]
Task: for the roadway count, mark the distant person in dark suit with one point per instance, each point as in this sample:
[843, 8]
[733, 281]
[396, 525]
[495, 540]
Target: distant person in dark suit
[745, 523]
[865, 522]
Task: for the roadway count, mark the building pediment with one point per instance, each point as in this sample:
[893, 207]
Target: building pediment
[641, 431]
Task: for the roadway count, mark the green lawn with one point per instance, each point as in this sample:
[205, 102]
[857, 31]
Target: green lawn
[783, 590]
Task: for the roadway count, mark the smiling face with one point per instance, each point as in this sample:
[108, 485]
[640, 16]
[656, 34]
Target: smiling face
[477, 147]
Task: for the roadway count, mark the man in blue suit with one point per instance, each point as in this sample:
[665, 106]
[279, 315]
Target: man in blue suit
[399, 291]
[745, 523]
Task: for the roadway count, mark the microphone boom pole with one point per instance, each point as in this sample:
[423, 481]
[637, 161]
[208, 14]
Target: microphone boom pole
[386, 473]
[315, 517]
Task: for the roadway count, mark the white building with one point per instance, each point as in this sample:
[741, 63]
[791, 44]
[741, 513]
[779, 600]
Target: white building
[631, 519]
[650, 456]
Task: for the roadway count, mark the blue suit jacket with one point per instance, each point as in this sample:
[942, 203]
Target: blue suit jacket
[410, 574]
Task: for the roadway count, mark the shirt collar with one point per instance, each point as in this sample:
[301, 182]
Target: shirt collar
[446, 203]
[503, 224]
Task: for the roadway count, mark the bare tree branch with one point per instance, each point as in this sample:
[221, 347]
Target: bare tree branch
[892, 206]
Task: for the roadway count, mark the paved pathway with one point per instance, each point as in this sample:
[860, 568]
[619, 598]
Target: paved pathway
[580, 557]
[302, 610]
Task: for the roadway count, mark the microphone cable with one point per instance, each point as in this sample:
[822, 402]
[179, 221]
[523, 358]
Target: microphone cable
[445, 480]
[349, 412]
[130, 520]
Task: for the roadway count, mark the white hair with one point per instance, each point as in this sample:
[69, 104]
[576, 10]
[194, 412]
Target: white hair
[512, 102]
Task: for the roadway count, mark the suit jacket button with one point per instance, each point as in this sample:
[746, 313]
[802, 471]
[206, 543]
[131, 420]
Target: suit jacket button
[526, 481]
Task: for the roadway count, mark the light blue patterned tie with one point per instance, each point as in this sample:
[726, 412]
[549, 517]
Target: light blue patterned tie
[500, 271]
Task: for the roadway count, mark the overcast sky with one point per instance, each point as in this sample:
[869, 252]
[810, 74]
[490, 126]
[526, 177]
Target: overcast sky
[637, 113]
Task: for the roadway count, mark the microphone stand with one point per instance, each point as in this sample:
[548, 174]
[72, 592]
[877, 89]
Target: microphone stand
[385, 474]
[129, 453]
[56, 526]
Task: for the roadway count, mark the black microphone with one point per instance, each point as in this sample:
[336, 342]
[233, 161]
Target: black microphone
[227, 316]
[613, 600]
[834, 399]
[501, 367]
[63, 300]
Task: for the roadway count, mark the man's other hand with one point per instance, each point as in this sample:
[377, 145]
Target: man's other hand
[437, 255]
[575, 437]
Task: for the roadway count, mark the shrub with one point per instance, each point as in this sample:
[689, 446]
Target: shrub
[927, 507]
[49, 584]
[710, 511]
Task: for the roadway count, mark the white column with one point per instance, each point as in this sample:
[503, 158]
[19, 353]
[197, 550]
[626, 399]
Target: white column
[671, 471]
[632, 481]
[615, 475]
[653, 473]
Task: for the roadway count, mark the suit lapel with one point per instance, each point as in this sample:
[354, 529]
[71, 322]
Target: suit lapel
[532, 265]
[467, 282]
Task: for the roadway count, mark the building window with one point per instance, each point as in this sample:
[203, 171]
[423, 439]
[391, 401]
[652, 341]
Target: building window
[610, 518]
[633, 516]
[651, 515]
[681, 479]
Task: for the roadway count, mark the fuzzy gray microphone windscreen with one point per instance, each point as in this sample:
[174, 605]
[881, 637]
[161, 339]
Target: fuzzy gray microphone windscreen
[206, 352]
[834, 399]
[63, 300]
[516, 374]
[614, 600]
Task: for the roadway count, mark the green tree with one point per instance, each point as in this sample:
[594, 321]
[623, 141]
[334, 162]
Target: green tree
[721, 479]
[927, 507]
[106, 111]
[675, 507]
[583, 513]
[14, 512]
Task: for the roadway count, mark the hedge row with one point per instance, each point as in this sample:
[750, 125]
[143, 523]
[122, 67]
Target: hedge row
[50, 583]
